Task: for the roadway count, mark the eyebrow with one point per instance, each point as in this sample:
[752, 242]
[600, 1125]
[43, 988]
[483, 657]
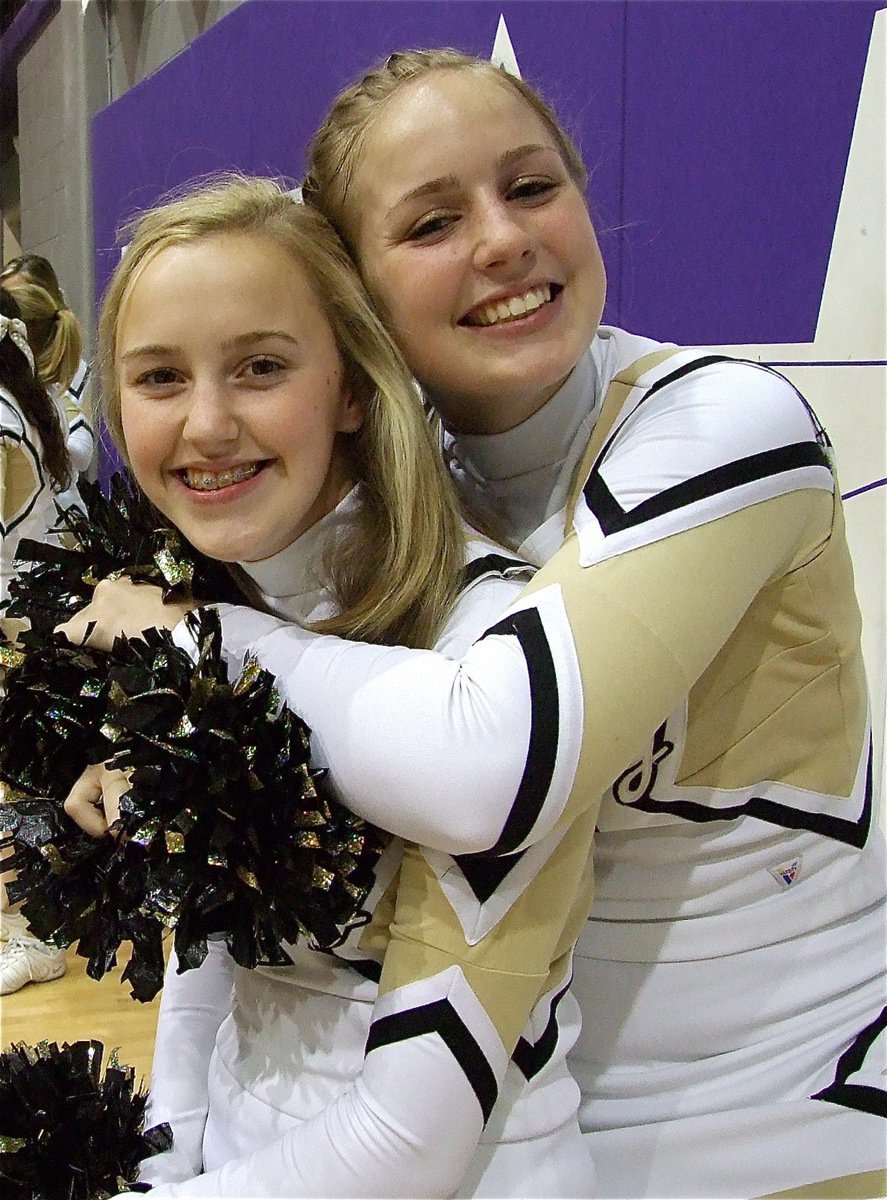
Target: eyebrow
[156, 350]
[443, 182]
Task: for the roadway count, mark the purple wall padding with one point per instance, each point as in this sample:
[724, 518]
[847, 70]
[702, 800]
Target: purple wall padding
[716, 133]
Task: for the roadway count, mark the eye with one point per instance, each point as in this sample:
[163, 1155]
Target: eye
[431, 225]
[157, 377]
[262, 367]
[532, 187]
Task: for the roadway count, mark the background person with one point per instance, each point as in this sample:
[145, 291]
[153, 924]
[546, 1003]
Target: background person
[33, 471]
[55, 328]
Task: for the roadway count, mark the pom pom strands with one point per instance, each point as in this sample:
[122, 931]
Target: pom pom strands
[118, 535]
[225, 830]
[68, 1131]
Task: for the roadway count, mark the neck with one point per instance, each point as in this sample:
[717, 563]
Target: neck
[474, 417]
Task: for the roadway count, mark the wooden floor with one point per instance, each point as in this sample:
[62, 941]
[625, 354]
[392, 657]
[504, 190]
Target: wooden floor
[76, 1007]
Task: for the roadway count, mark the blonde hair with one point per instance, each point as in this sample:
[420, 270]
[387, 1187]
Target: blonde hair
[53, 331]
[334, 153]
[34, 268]
[397, 575]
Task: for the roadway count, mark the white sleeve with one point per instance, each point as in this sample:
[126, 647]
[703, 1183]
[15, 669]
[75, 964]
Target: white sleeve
[467, 755]
[192, 1007]
[81, 435]
[81, 444]
[449, 1011]
[372, 1141]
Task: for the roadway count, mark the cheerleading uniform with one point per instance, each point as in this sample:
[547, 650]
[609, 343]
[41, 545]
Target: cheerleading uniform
[74, 410]
[732, 973]
[426, 1054]
[27, 502]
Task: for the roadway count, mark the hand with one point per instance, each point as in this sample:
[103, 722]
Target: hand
[121, 608]
[94, 800]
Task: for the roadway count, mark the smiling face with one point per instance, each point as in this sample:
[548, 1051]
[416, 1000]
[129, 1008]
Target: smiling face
[477, 245]
[232, 395]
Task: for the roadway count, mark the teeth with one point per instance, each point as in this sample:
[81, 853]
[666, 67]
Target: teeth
[517, 306]
[211, 481]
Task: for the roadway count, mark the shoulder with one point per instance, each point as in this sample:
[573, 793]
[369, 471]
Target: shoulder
[695, 438]
[493, 577]
[744, 406]
[12, 423]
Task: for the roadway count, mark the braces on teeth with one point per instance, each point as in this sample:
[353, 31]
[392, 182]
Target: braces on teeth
[208, 482]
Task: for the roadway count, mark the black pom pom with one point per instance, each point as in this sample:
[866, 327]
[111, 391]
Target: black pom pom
[121, 532]
[225, 830]
[69, 1131]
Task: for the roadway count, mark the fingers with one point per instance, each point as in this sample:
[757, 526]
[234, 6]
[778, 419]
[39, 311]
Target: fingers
[94, 800]
[83, 803]
[120, 607]
[79, 628]
[115, 784]
[99, 622]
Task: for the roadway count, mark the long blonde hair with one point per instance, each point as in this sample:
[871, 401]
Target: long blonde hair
[396, 576]
[53, 331]
[334, 153]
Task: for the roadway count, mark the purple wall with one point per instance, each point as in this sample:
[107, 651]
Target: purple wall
[716, 132]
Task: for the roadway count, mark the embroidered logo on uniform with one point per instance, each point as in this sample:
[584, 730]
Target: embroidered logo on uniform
[786, 874]
[634, 786]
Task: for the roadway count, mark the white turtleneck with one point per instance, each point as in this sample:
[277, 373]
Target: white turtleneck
[293, 582]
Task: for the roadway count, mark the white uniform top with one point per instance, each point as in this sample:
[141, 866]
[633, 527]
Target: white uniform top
[686, 667]
[426, 1054]
[27, 501]
[75, 411]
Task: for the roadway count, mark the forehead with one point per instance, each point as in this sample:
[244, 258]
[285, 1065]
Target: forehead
[221, 256]
[242, 269]
[430, 124]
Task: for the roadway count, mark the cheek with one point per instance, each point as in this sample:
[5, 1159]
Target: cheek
[143, 439]
[403, 291]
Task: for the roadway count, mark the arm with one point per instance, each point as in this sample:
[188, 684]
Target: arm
[669, 553]
[448, 1017]
[81, 436]
[21, 479]
[192, 1007]
[493, 738]
[708, 489]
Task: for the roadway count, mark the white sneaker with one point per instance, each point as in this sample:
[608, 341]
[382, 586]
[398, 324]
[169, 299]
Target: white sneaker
[25, 960]
[12, 923]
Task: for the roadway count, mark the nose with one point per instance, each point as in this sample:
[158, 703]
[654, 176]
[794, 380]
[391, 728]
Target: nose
[503, 240]
[211, 417]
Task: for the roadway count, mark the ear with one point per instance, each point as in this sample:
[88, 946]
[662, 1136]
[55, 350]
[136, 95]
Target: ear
[352, 412]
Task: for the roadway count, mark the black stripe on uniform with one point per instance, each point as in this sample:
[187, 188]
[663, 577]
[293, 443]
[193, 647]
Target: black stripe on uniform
[862, 1097]
[527, 627]
[484, 875]
[612, 518]
[673, 376]
[840, 829]
[441, 1018]
[531, 1057]
[491, 564]
[23, 440]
